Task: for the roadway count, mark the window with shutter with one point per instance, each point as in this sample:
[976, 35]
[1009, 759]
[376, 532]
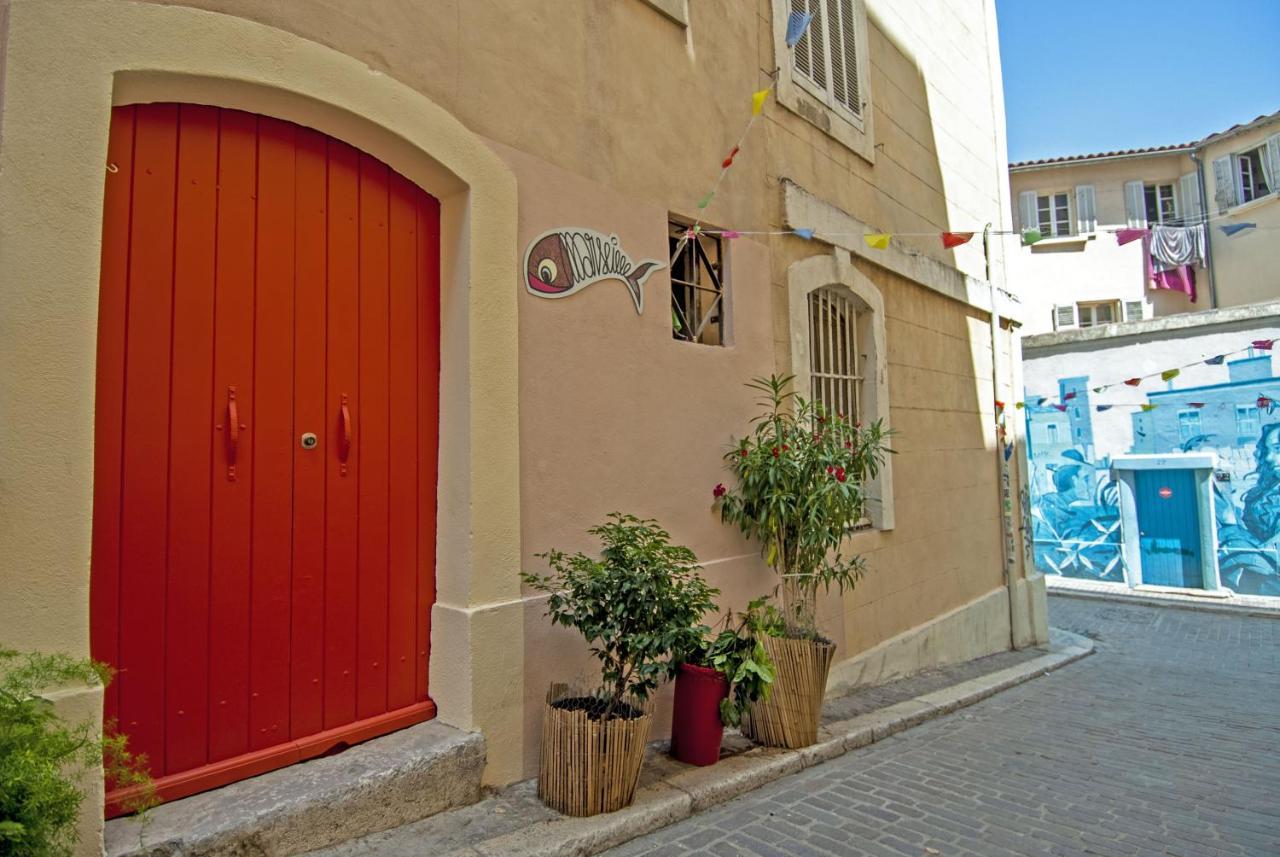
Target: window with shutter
[1135, 204]
[810, 51]
[1224, 183]
[1159, 203]
[1086, 211]
[1189, 191]
[826, 57]
[1133, 310]
[1064, 317]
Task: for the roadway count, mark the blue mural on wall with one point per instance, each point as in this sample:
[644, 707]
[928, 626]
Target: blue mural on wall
[1075, 503]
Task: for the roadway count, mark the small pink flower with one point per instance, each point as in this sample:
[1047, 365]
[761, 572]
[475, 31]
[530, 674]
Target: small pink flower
[830, 470]
[840, 474]
[775, 452]
[718, 491]
[848, 444]
[742, 452]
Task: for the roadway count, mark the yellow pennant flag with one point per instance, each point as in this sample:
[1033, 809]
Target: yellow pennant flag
[1146, 408]
[1170, 374]
[757, 101]
[877, 240]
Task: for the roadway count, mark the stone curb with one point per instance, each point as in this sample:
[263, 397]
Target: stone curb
[1148, 599]
[687, 792]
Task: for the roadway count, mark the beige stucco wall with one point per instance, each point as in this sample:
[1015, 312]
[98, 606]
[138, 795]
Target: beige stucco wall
[1245, 265]
[1066, 271]
[569, 113]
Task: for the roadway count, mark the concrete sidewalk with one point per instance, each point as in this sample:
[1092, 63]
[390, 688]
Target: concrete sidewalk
[514, 821]
[1221, 601]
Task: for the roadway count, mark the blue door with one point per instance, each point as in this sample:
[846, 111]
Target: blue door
[1168, 527]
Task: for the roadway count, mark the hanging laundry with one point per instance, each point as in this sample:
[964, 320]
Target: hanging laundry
[1180, 279]
[1125, 236]
[1173, 246]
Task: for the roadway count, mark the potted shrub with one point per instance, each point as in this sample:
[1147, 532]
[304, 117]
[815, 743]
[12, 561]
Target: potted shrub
[800, 478]
[715, 684]
[641, 601]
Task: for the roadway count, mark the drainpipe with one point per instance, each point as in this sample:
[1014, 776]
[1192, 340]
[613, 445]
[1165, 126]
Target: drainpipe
[1003, 489]
[1208, 233]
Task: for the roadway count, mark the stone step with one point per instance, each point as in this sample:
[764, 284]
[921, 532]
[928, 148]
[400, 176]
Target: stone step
[387, 782]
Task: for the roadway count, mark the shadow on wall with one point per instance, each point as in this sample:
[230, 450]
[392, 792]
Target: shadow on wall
[1075, 501]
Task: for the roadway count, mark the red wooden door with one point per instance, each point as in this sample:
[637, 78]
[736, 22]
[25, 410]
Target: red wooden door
[264, 597]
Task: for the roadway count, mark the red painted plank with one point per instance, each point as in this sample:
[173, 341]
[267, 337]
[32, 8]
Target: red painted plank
[310, 414]
[341, 480]
[144, 499]
[186, 641]
[104, 588]
[273, 439]
[402, 554]
[233, 368]
[372, 447]
[428, 425]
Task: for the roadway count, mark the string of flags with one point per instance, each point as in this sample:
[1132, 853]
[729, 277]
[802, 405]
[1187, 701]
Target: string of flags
[1263, 402]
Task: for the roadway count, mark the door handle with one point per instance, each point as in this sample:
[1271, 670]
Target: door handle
[233, 432]
[344, 435]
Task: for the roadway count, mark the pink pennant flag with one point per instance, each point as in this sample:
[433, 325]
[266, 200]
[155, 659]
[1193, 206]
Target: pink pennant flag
[730, 233]
[1263, 344]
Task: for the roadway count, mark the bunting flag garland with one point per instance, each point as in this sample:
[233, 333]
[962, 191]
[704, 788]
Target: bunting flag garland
[797, 23]
[1196, 404]
[1215, 361]
[1148, 408]
[1042, 400]
[1098, 389]
[806, 234]
[1231, 229]
[1265, 403]
[1069, 396]
[877, 240]
[1133, 382]
[1170, 374]
[1102, 408]
[728, 162]
[1262, 344]
[729, 233]
[955, 239]
[706, 200]
[1030, 236]
[1019, 405]
[758, 99]
[1062, 408]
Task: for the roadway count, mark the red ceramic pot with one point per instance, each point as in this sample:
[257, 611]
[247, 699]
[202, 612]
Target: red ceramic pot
[696, 729]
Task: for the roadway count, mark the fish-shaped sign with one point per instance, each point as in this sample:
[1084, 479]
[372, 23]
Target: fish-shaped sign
[563, 262]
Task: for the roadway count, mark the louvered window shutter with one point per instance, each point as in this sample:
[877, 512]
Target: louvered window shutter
[1064, 316]
[1272, 157]
[1027, 210]
[1086, 210]
[1224, 183]
[810, 51]
[1133, 310]
[1189, 190]
[844, 54]
[1135, 205]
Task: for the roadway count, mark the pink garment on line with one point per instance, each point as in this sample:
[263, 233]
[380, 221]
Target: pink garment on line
[1124, 236]
[1179, 279]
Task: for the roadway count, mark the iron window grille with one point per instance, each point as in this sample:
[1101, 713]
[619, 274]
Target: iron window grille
[697, 286]
[834, 376]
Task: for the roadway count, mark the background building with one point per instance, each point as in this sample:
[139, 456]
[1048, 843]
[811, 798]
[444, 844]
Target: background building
[1078, 275]
[181, 476]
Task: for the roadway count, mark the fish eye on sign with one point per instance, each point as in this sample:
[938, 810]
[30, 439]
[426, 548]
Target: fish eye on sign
[563, 262]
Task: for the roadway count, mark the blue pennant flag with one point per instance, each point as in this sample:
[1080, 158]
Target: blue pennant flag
[1232, 228]
[1216, 361]
[806, 234]
[1102, 408]
[797, 23]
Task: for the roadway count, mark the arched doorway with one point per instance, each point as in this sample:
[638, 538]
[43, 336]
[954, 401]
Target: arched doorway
[266, 441]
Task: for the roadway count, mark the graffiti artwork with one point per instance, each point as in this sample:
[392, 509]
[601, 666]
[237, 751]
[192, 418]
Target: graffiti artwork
[563, 262]
[1075, 502]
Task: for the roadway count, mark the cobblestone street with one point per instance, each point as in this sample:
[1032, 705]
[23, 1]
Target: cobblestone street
[1166, 741]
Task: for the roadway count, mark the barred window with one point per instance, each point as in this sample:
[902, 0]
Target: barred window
[697, 287]
[834, 376]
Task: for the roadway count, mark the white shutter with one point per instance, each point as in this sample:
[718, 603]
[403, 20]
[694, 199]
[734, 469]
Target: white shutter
[1272, 156]
[844, 54]
[1224, 183]
[1027, 210]
[1135, 205]
[1189, 190]
[811, 50]
[1133, 310]
[1086, 210]
[1064, 317]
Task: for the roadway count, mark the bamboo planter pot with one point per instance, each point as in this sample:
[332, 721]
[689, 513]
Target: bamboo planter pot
[590, 766]
[789, 717]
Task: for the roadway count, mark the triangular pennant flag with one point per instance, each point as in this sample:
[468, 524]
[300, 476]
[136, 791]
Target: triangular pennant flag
[955, 239]
[1216, 361]
[1265, 403]
[1133, 382]
[757, 101]
[805, 233]
[1170, 374]
[1041, 400]
[1232, 228]
[1061, 407]
[706, 200]
[797, 23]
[1098, 389]
[877, 240]
[728, 162]
[1019, 405]
[1030, 236]
[730, 233]
[1146, 408]
[1102, 408]
[1069, 396]
[999, 405]
[1008, 451]
[1196, 404]
[1262, 344]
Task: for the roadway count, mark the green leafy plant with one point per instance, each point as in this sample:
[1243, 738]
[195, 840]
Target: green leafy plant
[735, 651]
[801, 475]
[642, 600]
[43, 758]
